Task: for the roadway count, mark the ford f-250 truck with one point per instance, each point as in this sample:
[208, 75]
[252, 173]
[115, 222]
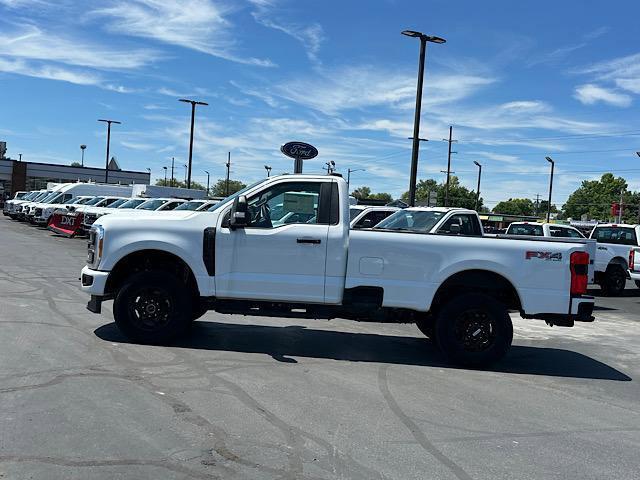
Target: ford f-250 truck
[165, 270]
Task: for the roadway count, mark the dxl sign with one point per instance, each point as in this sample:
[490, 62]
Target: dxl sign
[299, 151]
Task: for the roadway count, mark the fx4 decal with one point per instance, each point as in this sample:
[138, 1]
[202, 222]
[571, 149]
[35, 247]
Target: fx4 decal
[554, 257]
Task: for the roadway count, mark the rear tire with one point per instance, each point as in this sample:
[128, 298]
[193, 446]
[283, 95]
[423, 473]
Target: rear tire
[474, 329]
[637, 282]
[614, 281]
[153, 307]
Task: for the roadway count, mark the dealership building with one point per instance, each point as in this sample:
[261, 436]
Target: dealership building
[17, 175]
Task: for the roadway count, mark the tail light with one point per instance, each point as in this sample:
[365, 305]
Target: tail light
[579, 272]
[632, 258]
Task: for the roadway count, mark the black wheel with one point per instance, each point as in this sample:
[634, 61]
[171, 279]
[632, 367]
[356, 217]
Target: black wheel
[637, 282]
[199, 309]
[427, 325]
[153, 307]
[474, 329]
[614, 281]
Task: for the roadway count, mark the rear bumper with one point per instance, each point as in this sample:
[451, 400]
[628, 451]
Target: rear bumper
[635, 275]
[581, 310]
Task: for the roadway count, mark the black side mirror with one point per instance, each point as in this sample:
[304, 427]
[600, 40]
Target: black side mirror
[455, 229]
[239, 213]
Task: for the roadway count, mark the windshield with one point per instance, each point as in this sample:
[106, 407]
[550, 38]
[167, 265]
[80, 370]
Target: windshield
[525, 229]
[20, 195]
[193, 205]
[74, 201]
[43, 197]
[233, 196]
[617, 235]
[152, 204]
[95, 200]
[419, 221]
[133, 203]
[118, 202]
[52, 198]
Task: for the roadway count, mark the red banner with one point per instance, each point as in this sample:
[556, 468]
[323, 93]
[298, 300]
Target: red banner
[67, 224]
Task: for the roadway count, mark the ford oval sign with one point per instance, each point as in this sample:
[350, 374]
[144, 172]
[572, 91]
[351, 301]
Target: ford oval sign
[299, 150]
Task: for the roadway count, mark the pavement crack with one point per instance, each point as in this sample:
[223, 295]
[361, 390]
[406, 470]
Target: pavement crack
[415, 430]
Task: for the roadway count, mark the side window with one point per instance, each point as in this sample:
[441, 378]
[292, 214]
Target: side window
[171, 205]
[557, 232]
[371, 219]
[287, 203]
[109, 201]
[466, 225]
[571, 233]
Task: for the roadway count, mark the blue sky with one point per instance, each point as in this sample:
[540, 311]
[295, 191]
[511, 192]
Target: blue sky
[517, 80]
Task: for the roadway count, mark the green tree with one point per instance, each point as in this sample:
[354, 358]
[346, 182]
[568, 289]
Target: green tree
[459, 195]
[177, 183]
[219, 189]
[363, 193]
[515, 206]
[594, 198]
[76, 164]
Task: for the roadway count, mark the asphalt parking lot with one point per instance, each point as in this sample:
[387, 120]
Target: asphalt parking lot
[250, 397]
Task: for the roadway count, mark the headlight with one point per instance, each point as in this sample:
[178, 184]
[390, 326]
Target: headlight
[95, 246]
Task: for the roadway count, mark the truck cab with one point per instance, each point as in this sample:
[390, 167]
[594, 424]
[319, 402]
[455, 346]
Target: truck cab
[615, 241]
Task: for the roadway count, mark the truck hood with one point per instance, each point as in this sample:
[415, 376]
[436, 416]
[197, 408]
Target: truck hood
[148, 216]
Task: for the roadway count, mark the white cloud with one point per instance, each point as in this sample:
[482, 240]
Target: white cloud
[254, 92]
[194, 24]
[49, 72]
[630, 84]
[35, 44]
[590, 94]
[310, 35]
[332, 90]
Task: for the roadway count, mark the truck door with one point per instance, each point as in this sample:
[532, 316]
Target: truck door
[281, 254]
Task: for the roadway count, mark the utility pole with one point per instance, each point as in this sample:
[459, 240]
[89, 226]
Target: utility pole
[186, 170]
[553, 164]
[207, 182]
[82, 149]
[537, 203]
[165, 176]
[350, 171]
[478, 189]
[193, 116]
[106, 165]
[226, 188]
[620, 211]
[446, 192]
[173, 159]
[447, 173]
[416, 119]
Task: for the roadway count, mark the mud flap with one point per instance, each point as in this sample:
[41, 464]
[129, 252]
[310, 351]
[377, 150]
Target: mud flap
[66, 224]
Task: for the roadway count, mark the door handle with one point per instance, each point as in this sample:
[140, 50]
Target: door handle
[313, 241]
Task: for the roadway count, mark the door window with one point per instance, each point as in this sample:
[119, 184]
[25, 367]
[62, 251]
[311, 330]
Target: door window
[467, 225]
[285, 204]
[373, 218]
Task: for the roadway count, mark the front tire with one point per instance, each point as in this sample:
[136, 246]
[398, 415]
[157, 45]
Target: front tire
[474, 329]
[153, 307]
[637, 282]
[427, 325]
[614, 281]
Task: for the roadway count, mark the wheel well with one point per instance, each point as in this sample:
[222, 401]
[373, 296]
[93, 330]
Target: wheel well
[618, 261]
[145, 260]
[481, 281]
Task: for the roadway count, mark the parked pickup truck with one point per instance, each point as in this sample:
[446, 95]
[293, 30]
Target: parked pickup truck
[615, 242]
[166, 269]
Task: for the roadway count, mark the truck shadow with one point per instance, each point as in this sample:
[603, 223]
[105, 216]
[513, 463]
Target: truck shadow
[285, 343]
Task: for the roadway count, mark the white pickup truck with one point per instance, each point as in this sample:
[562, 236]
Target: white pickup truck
[634, 265]
[167, 269]
[615, 242]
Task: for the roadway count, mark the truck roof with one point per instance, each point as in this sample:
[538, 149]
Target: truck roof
[441, 209]
[623, 225]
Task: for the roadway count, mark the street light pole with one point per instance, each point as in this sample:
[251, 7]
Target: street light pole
[186, 169]
[106, 165]
[82, 149]
[207, 182]
[478, 189]
[165, 176]
[416, 120]
[173, 159]
[349, 172]
[228, 165]
[553, 164]
[149, 170]
[193, 116]
[268, 169]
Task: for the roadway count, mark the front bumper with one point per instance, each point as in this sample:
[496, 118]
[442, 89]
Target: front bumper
[93, 282]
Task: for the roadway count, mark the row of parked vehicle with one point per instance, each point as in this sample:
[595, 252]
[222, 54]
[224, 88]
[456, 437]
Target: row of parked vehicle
[71, 208]
[613, 257]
